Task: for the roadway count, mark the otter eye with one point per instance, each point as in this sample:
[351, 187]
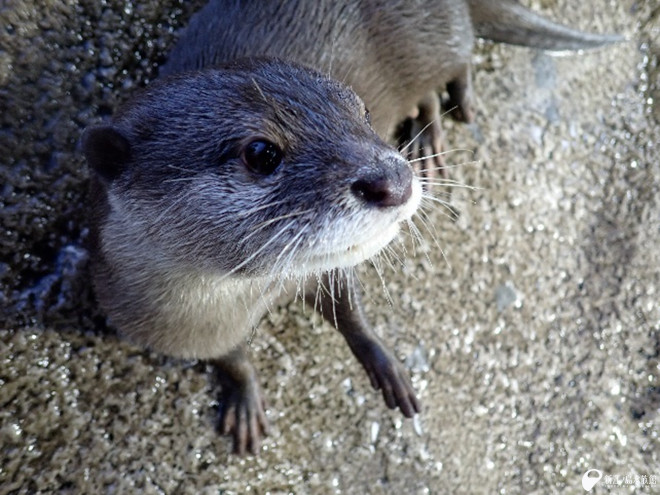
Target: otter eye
[262, 157]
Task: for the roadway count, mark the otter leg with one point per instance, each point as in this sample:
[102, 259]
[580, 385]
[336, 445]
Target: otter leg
[459, 89]
[427, 138]
[384, 370]
[241, 403]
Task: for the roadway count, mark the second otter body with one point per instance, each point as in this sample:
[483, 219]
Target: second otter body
[377, 47]
[396, 54]
[217, 192]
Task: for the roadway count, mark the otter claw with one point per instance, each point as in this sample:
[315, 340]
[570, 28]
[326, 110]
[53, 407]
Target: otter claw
[387, 375]
[242, 414]
[242, 411]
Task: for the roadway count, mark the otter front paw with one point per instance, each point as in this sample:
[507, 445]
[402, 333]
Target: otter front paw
[388, 375]
[242, 410]
[242, 414]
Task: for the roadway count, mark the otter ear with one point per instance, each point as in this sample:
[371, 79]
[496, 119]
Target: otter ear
[107, 151]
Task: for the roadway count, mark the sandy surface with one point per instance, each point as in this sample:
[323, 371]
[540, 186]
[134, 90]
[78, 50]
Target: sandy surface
[533, 334]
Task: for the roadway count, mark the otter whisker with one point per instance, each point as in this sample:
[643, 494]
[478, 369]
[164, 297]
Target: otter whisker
[317, 295]
[428, 224]
[321, 291]
[402, 260]
[428, 199]
[449, 184]
[281, 217]
[257, 228]
[441, 153]
[332, 284]
[415, 236]
[264, 206]
[461, 164]
[423, 217]
[416, 137]
[349, 273]
[440, 194]
[348, 71]
[287, 263]
[261, 249]
[376, 263]
[385, 256]
[261, 93]
[399, 258]
[278, 266]
[442, 198]
[418, 234]
[264, 294]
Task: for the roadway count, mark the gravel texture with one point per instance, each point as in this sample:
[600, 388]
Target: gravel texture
[531, 324]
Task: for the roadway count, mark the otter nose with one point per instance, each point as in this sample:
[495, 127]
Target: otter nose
[389, 185]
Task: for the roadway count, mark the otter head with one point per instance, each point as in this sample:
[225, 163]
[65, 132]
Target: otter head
[258, 168]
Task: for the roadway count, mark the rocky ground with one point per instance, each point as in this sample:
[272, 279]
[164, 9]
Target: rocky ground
[531, 329]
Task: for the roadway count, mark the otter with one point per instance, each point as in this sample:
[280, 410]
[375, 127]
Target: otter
[246, 176]
[220, 192]
[397, 55]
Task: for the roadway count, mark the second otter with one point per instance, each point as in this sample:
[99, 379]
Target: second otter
[395, 54]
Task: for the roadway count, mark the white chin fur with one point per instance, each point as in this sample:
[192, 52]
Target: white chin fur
[354, 254]
[373, 240]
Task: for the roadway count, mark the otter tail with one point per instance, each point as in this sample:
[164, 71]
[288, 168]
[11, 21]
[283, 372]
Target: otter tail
[506, 21]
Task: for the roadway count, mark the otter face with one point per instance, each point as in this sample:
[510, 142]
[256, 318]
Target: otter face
[257, 169]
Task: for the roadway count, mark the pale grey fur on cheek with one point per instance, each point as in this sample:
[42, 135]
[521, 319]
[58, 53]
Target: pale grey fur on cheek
[169, 306]
[263, 236]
